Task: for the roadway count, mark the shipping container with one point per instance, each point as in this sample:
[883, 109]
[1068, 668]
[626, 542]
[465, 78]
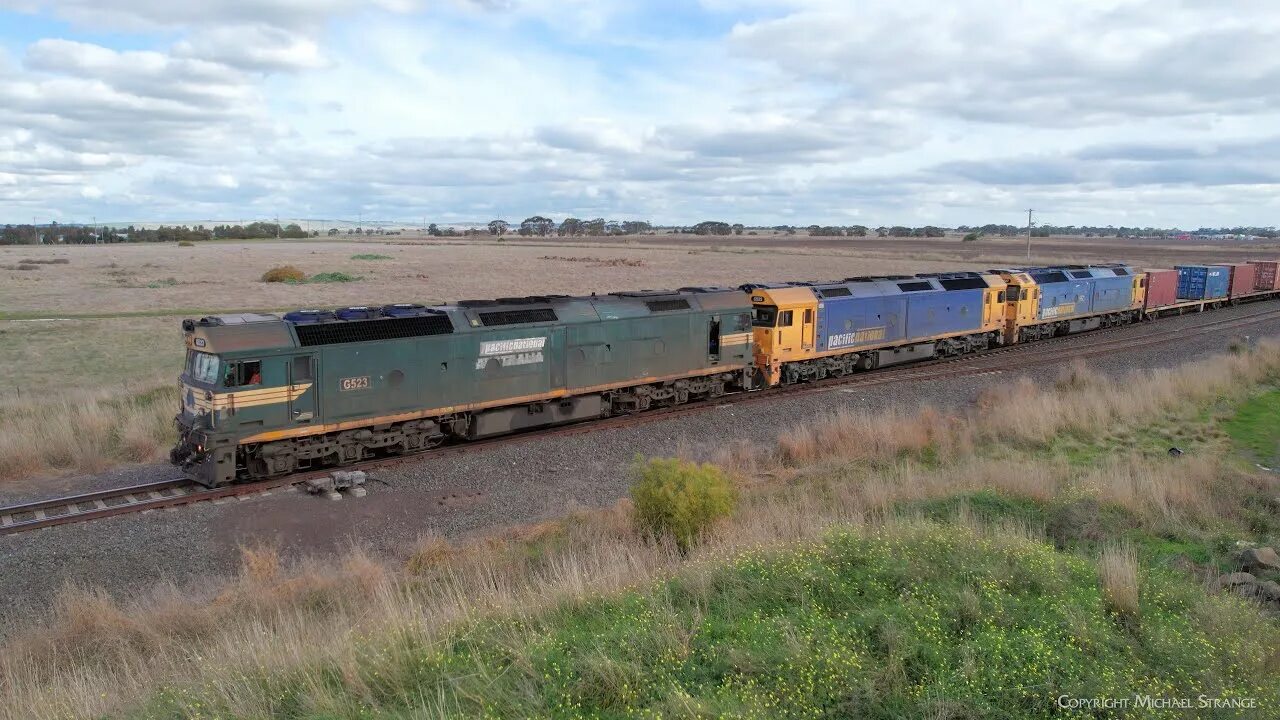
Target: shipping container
[1267, 276]
[1203, 282]
[1242, 277]
[1162, 288]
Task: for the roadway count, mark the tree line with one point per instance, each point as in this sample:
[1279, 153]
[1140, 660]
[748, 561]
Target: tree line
[539, 226]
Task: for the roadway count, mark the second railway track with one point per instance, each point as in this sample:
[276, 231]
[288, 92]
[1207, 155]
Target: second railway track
[32, 515]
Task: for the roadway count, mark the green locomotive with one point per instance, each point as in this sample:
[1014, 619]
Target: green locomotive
[264, 395]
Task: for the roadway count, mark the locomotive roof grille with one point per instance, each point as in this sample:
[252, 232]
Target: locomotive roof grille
[914, 286]
[1119, 271]
[336, 333]
[1079, 274]
[1056, 276]
[968, 283]
[667, 305]
[835, 292]
[518, 317]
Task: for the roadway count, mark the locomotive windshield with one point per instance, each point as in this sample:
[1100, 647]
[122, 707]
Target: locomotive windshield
[202, 367]
[764, 315]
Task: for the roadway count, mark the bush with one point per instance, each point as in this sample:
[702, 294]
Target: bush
[332, 277]
[972, 237]
[186, 243]
[680, 498]
[284, 273]
[370, 256]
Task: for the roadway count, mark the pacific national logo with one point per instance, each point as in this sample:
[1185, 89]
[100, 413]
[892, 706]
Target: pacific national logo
[853, 338]
[508, 353]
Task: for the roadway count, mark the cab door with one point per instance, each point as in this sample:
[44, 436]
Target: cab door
[806, 330]
[303, 389]
[713, 340]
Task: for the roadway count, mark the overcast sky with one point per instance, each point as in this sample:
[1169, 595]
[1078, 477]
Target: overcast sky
[1137, 112]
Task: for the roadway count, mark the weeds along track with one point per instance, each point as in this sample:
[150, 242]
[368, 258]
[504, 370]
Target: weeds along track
[170, 494]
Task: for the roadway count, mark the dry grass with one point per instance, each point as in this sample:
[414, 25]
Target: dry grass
[597, 262]
[1082, 404]
[98, 655]
[84, 433]
[228, 275]
[1118, 573]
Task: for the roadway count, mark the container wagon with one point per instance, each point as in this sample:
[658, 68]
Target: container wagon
[1266, 277]
[1243, 276]
[1162, 290]
[1203, 282]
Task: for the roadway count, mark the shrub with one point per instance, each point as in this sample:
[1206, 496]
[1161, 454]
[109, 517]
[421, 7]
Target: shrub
[332, 277]
[284, 273]
[370, 256]
[186, 243]
[680, 497]
[972, 237]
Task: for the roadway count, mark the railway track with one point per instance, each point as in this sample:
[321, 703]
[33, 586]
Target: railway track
[166, 494]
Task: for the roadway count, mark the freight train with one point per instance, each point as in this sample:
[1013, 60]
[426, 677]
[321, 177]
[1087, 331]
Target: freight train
[266, 395]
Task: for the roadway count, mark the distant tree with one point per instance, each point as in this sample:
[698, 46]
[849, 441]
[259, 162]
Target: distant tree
[571, 227]
[613, 227]
[333, 231]
[829, 231]
[498, 227]
[738, 228]
[882, 231]
[858, 231]
[594, 227]
[537, 226]
[292, 230]
[899, 231]
[636, 227]
[712, 227]
[972, 237]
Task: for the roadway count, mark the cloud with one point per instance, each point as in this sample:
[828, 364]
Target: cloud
[1046, 63]
[761, 111]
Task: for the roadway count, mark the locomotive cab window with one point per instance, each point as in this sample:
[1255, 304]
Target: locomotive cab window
[764, 315]
[244, 373]
[785, 318]
[202, 367]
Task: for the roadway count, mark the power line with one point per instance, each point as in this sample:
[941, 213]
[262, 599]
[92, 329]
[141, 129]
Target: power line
[1029, 226]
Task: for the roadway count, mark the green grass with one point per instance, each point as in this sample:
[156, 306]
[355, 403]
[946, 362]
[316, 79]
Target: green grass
[916, 620]
[1255, 428]
[333, 277]
[370, 256]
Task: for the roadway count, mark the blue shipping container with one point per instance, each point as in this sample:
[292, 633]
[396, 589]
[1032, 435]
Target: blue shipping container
[1203, 282]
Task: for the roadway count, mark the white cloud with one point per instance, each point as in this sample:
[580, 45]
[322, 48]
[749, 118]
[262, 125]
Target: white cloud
[756, 110]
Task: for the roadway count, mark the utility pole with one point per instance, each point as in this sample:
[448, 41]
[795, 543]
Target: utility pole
[1029, 226]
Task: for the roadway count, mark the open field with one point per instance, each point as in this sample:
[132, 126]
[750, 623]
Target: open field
[219, 276]
[158, 279]
[887, 564]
